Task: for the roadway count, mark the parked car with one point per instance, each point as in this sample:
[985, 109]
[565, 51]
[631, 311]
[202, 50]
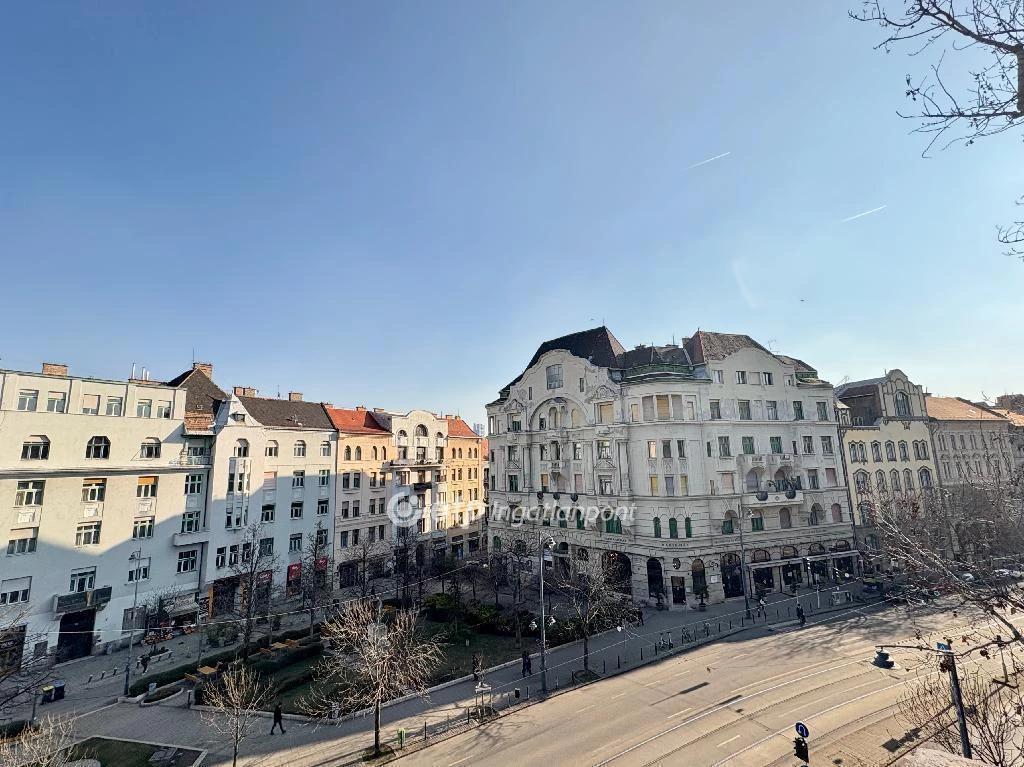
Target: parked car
[1001, 573]
[967, 577]
[1016, 574]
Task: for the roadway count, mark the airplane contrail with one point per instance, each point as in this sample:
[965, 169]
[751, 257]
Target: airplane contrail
[865, 213]
[710, 159]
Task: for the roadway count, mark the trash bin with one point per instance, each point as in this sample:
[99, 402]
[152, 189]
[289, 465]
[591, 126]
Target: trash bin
[58, 689]
[47, 692]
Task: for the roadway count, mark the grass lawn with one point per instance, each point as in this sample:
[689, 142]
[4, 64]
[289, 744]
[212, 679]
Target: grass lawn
[458, 658]
[291, 699]
[121, 753]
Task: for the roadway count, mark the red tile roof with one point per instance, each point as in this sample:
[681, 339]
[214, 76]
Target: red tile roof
[1017, 419]
[355, 421]
[957, 409]
[459, 428]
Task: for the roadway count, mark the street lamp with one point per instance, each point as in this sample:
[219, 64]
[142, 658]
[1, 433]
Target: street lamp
[135, 557]
[744, 567]
[545, 544]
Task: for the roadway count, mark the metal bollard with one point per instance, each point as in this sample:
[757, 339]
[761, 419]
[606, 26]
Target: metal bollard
[424, 729]
[618, 661]
[604, 667]
[556, 680]
[641, 652]
[730, 624]
[469, 718]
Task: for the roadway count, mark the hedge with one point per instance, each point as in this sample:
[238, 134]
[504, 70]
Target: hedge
[270, 665]
[13, 728]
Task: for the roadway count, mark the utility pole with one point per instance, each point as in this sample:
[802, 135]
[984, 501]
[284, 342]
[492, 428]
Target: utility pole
[744, 569]
[137, 556]
[958, 701]
[543, 620]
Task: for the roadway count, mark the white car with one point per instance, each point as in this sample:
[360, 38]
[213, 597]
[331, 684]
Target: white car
[966, 577]
[1016, 574]
[1001, 573]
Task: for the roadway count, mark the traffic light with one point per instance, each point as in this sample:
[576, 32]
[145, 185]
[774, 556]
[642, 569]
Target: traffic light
[882, 659]
[800, 750]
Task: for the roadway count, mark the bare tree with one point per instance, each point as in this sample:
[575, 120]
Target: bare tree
[46, 743]
[374, 657]
[316, 585]
[594, 600]
[20, 677]
[520, 560]
[235, 701]
[989, 32]
[255, 571]
[370, 558]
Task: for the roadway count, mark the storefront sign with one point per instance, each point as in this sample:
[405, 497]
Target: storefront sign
[69, 603]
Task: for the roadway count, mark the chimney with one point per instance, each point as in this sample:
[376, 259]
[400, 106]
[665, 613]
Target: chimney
[360, 408]
[55, 369]
[329, 405]
[245, 391]
[206, 367]
[295, 396]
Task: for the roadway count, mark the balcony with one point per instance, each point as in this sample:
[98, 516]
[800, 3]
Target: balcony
[190, 460]
[420, 487]
[81, 600]
[423, 442]
[190, 539]
[765, 498]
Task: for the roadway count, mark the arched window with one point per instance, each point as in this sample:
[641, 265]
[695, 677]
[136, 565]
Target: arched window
[556, 451]
[347, 453]
[673, 528]
[785, 518]
[872, 541]
[299, 450]
[816, 548]
[789, 552]
[460, 453]
[150, 448]
[908, 480]
[657, 527]
[880, 480]
[903, 451]
[837, 512]
[862, 481]
[890, 451]
[815, 516]
[728, 524]
[894, 480]
[924, 450]
[688, 527]
[902, 404]
[876, 452]
[359, 453]
[552, 418]
[925, 478]
[325, 449]
[35, 448]
[421, 430]
[383, 453]
[760, 555]
[752, 481]
[756, 521]
[241, 448]
[867, 514]
[97, 448]
[270, 450]
[373, 453]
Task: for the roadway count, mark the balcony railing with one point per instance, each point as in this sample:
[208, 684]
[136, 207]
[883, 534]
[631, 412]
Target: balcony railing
[764, 498]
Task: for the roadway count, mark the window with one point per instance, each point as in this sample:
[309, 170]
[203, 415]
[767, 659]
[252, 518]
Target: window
[798, 410]
[741, 376]
[657, 527]
[880, 480]
[831, 478]
[297, 510]
[822, 411]
[15, 590]
[513, 483]
[744, 410]
[87, 534]
[143, 528]
[902, 404]
[776, 445]
[785, 519]
[890, 451]
[604, 484]
[94, 490]
[321, 535]
[30, 493]
[661, 407]
[894, 479]
[299, 449]
[876, 451]
[56, 402]
[654, 485]
[767, 379]
[144, 408]
[554, 376]
[150, 449]
[604, 412]
[826, 446]
[756, 522]
[812, 479]
[670, 485]
[187, 561]
[323, 507]
[652, 449]
[266, 548]
[724, 450]
[862, 482]
[115, 405]
[814, 518]
[163, 409]
[190, 522]
[346, 480]
[298, 479]
[718, 376]
[90, 404]
[808, 445]
[772, 410]
[716, 410]
[666, 448]
[82, 579]
[267, 513]
[748, 445]
[294, 543]
[27, 399]
[241, 449]
[727, 524]
[680, 448]
[193, 484]
[325, 449]
[25, 543]
[146, 487]
[35, 448]
[604, 449]
[582, 384]
[324, 477]
[222, 556]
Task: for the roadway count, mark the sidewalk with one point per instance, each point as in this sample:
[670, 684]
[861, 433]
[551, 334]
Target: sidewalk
[310, 744]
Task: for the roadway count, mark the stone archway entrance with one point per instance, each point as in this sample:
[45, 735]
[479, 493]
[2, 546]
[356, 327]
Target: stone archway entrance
[655, 579]
[732, 575]
[622, 571]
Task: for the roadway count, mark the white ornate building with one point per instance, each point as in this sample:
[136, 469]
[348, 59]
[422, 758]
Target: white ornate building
[728, 454]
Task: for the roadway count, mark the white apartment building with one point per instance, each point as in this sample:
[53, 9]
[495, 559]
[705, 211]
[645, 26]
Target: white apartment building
[728, 455]
[93, 471]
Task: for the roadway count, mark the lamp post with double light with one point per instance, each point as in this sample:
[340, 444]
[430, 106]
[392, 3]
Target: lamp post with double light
[135, 557]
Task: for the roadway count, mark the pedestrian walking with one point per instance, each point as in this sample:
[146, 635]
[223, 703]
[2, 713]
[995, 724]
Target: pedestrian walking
[278, 719]
[144, 660]
[477, 664]
[800, 615]
[640, 615]
[526, 664]
[761, 603]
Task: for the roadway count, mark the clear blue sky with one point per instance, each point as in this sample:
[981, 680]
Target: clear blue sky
[394, 203]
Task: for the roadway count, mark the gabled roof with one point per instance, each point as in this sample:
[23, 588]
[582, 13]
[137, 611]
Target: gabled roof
[798, 365]
[1017, 419]
[287, 414]
[958, 409]
[705, 346]
[597, 345]
[459, 428]
[202, 398]
[355, 421]
[654, 355]
[859, 388]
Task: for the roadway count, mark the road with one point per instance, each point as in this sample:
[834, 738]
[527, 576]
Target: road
[731, 703]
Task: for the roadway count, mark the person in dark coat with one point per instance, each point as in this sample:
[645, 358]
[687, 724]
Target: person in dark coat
[800, 615]
[278, 719]
[527, 670]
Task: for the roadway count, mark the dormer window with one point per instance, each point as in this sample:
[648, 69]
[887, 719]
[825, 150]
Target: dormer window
[238, 417]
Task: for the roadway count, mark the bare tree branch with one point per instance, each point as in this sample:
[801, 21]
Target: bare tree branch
[236, 700]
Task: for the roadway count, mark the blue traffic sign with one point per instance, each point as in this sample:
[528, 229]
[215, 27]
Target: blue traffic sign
[801, 730]
[943, 647]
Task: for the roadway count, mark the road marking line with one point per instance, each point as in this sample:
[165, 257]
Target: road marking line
[460, 761]
[683, 672]
[741, 655]
[787, 673]
[726, 742]
[679, 713]
[827, 697]
[585, 708]
[651, 684]
[618, 695]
